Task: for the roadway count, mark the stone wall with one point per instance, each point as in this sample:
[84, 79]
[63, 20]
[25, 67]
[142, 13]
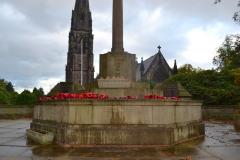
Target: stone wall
[119, 122]
[228, 113]
[13, 112]
[135, 92]
[119, 112]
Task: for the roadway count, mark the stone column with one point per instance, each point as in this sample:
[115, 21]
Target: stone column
[118, 64]
[117, 27]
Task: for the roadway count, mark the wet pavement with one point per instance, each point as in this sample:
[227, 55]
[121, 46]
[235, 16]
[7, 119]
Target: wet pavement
[222, 142]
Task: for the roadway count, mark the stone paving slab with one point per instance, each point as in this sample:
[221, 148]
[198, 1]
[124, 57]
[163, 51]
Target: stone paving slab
[222, 142]
[4, 140]
[17, 142]
[16, 158]
[11, 151]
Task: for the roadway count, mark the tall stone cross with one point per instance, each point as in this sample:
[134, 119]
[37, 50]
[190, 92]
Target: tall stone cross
[117, 27]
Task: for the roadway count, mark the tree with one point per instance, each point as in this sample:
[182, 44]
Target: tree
[4, 95]
[26, 98]
[187, 68]
[41, 91]
[211, 86]
[8, 96]
[2, 84]
[9, 87]
[38, 92]
[13, 98]
[229, 53]
[236, 73]
[236, 15]
[4, 98]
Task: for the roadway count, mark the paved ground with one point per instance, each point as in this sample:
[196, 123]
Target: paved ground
[221, 143]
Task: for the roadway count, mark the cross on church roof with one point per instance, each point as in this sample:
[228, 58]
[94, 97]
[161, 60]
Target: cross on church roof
[159, 48]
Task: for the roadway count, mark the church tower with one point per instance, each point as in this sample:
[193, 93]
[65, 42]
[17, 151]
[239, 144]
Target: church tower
[79, 67]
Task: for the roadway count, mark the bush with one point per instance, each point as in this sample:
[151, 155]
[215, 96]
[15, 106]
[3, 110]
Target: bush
[26, 98]
[4, 98]
[214, 88]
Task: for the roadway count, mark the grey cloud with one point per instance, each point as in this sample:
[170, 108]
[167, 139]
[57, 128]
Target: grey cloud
[35, 47]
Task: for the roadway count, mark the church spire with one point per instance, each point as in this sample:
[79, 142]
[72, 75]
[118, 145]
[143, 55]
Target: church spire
[81, 16]
[175, 68]
[142, 69]
[79, 67]
[81, 4]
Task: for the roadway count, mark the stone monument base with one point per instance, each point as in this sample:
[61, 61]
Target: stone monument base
[114, 83]
[118, 65]
[66, 87]
[113, 122]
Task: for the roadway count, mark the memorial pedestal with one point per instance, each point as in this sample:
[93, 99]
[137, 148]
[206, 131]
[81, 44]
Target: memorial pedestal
[118, 65]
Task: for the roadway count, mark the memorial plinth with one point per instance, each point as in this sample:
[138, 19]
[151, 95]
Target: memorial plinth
[119, 122]
[121, 65]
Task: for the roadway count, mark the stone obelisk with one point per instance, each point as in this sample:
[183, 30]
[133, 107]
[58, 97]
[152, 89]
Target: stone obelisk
[117, 27]
[118, 65]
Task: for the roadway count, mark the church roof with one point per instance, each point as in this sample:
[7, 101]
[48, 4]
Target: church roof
[149, 62]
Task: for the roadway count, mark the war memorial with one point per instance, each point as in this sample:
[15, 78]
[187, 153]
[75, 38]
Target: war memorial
[115, 121]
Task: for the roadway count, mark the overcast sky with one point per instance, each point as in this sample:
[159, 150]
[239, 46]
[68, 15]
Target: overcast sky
[34, 34]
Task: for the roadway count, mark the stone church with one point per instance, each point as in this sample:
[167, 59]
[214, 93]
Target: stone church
[155, 69]
[79, 67]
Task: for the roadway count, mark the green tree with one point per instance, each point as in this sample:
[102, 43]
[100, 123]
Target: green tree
[213, 87]
[38, 92]
[9, 87]
[8, 96]
[4, 97]
[26, 98]
[236, 74]
[236, 16]
[228, 54]
[187, 68]
[2, 84]
[13, 98]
